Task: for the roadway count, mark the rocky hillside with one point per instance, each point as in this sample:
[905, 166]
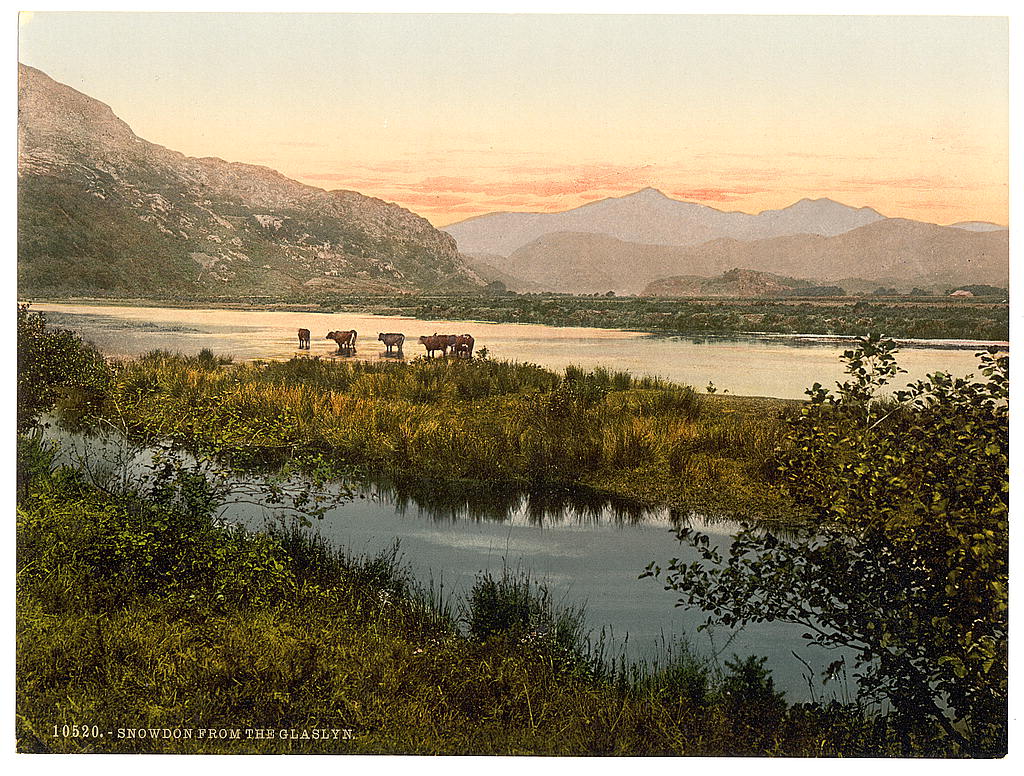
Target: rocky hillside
[102, 211]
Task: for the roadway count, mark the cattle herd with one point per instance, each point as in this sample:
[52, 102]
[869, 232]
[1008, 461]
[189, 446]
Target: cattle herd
[460, 345]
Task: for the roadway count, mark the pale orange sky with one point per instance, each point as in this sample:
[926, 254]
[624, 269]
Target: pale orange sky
[457, 115]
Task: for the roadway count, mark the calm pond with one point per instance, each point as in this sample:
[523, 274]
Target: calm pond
[588, 551]
[778, 367]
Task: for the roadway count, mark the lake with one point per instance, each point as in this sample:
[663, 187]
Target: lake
[589, 551]
[780, 367]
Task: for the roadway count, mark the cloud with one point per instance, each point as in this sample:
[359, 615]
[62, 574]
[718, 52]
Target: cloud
[436, 201]
[716, 194]
[926, 205]
[341, 177]
[918, 182]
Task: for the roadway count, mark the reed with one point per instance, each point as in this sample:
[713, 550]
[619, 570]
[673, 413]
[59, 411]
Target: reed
[453, 420]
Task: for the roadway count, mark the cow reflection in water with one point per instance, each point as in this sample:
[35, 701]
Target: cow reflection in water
[346, 341]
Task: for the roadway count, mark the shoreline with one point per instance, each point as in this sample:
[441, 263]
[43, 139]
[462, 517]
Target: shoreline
[794, 339]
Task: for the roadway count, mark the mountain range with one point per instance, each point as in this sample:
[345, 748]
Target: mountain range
[621, 244]
[102, 211]
[649, 217]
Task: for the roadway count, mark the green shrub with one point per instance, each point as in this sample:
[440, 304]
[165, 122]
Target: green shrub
[908, 566]
[53, 360]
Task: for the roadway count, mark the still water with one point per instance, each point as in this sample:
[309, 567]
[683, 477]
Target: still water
[588, 551]
[777, 367]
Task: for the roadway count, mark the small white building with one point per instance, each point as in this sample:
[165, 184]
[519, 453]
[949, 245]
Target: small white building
[961, 293]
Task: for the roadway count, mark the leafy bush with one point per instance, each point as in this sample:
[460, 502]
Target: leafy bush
[908, 565]
[52, 360]
[164, 542]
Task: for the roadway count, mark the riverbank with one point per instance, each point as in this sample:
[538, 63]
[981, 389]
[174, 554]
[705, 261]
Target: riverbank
[136, 602]
[921, 321]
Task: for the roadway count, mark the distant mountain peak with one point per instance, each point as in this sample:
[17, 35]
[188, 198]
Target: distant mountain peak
[806, 203]
[649, 192]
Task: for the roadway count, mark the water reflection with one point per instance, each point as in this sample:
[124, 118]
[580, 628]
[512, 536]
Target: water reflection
[588, 548]
[500, 502]
[540, 507]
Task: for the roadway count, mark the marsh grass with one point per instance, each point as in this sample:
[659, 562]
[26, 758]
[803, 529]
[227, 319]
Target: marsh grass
[437, 419]
[134, 616]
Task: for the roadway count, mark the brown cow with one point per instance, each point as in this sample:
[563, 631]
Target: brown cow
[303, 339]
[464, 345]
[435, 342]
[391, 339]
[346, 340]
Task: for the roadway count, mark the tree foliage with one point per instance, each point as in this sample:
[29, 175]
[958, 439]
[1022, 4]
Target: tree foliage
[907, 564]
[49, 361]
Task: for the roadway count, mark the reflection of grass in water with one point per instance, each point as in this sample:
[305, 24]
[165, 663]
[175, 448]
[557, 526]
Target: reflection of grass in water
[477, 501]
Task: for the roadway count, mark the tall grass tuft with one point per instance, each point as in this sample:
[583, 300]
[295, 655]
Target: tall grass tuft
[515, 606]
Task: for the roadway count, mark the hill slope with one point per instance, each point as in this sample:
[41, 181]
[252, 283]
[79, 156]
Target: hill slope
[886, 251]
[734, 283]
[894, 249]
[582, 263]
[102, 211]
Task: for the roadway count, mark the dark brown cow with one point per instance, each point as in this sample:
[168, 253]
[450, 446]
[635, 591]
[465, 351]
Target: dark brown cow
[303, 339]
[464, 345]
[346, 340]
[391, 339]
[435, 342]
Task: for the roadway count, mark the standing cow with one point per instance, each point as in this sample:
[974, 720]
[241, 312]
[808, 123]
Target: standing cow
[346, 340]
[464, 345]
[303, 339]
[391, 339]
[435, 342]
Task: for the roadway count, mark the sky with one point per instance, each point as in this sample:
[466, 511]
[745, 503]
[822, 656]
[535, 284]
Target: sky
[457, 115]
